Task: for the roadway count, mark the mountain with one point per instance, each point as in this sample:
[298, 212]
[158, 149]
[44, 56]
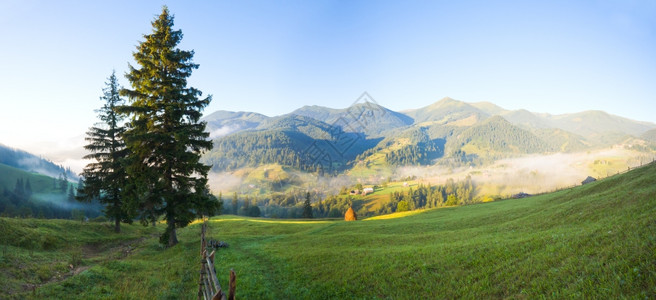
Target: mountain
[31, 163]
[527, 119]
[369, 118]
[448, 111]
[221, 123]
[298, 141]
[489, 108]
[321, 113]
[367, 134]
[596, 123]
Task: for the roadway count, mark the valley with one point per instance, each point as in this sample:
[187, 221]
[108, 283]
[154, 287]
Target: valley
[503, 152]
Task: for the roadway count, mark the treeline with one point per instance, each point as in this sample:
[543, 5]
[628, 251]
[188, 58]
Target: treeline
[294, 205]
[419, 154]
[275, 205]
[428, 196]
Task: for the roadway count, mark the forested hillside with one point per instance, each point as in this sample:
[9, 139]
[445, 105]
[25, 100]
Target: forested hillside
[296, 141]
[496, 136]
[448, 132]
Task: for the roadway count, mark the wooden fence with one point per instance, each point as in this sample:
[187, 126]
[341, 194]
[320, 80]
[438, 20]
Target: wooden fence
[208, 286]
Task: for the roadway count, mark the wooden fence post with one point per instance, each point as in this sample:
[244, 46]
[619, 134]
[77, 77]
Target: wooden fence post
[232, 285]
[201, 291]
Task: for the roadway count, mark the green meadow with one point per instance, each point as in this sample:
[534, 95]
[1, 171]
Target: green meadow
[592, 241]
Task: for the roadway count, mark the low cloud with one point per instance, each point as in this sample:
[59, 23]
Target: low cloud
[532, 173]
[223, 182]
[224, 130]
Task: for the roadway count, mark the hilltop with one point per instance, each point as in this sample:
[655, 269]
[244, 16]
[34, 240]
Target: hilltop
[592, 241]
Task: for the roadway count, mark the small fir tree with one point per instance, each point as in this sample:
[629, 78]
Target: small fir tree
[105, 178]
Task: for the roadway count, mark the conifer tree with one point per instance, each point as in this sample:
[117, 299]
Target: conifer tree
[105, 177]
[165, 136]
[28, 189]
[307, 207]
[71, 194]
[235, 203]
[19, 189]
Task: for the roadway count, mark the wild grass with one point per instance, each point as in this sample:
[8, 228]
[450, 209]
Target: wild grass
[594, 241]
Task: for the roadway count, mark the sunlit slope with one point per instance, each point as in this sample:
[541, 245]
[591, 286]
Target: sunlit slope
[596, 241]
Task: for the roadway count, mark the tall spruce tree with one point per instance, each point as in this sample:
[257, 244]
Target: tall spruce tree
[106, 177]
[165, 135]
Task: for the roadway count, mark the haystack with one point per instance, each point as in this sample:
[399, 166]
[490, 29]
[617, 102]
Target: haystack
[350, 215]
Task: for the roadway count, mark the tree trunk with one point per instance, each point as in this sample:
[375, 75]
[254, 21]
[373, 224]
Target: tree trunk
[117, 225]
[173, 238]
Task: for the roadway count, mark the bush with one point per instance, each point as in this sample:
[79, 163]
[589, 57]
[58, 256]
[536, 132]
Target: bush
[29, 241]
[44, 273]
[76, 258]
[48, 242]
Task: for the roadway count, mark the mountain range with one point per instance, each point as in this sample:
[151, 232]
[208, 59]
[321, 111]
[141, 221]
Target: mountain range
[448, 131]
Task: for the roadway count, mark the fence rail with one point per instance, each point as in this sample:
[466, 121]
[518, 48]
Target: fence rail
[208, 286]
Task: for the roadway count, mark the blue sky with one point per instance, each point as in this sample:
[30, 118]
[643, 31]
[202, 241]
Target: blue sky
[274, 56]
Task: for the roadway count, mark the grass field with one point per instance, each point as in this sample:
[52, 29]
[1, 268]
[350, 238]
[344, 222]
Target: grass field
[593, 241]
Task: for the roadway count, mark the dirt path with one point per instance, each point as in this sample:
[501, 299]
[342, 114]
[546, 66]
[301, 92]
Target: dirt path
[95, 254]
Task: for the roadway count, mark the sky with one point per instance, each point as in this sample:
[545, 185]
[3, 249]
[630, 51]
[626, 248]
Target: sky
[272, 57]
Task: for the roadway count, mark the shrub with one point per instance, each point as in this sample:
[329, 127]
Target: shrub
[99, 219]
[76, 258]
[44, 273]
[48, 242]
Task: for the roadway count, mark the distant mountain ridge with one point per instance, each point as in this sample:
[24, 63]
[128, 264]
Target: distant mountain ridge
[447, 129]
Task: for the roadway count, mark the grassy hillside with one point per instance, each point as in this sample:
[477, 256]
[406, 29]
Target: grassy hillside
[39, 183]
[594, 241]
